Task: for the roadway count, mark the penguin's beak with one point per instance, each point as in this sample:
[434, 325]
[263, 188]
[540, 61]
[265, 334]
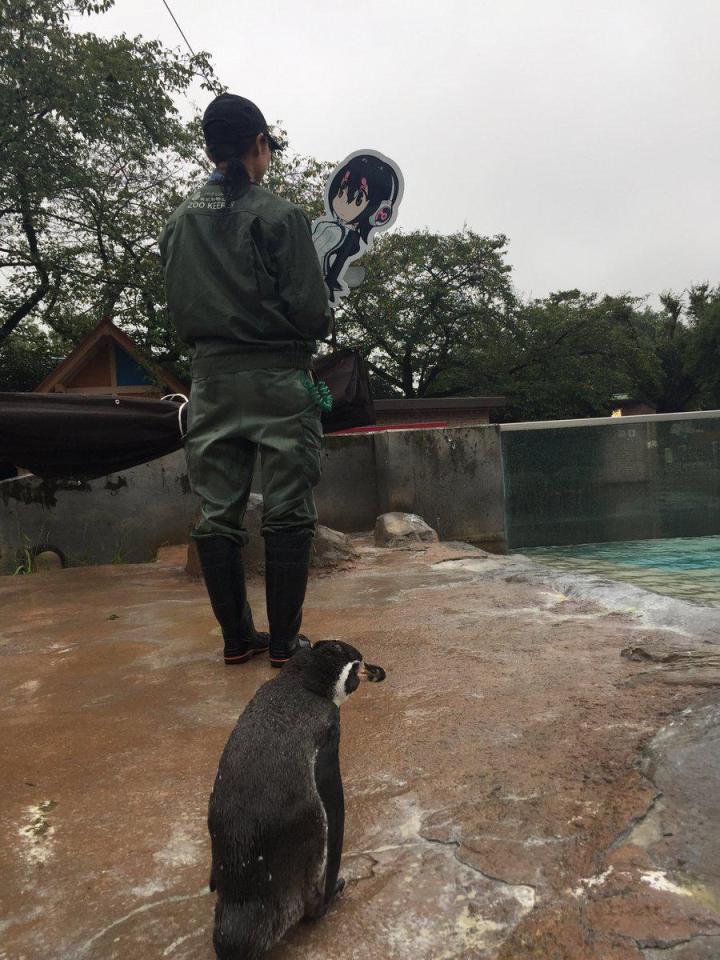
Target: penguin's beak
[371, 673]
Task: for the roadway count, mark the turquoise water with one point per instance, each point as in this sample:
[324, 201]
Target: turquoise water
[686, 568]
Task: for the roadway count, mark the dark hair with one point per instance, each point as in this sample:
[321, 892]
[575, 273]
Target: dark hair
[236, 178]
[382, 187]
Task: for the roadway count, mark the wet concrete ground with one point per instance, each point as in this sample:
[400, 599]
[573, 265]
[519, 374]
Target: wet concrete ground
[515, 789]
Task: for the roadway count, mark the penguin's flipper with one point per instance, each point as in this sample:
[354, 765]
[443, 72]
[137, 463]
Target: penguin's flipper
[329, 785]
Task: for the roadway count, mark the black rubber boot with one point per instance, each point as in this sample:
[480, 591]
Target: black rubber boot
[222, 567]
[287, 561]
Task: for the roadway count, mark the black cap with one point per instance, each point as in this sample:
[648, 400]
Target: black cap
[230, 119]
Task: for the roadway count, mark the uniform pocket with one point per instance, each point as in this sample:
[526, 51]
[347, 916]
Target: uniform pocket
[312, 445]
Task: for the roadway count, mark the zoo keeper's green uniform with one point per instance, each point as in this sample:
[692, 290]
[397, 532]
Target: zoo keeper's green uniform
[246, 293]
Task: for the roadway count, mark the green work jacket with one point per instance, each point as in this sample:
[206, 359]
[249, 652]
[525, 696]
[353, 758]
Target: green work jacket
[245, 282]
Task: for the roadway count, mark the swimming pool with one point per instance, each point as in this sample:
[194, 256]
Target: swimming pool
[688, 568]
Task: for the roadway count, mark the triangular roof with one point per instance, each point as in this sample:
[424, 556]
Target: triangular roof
[91, 343]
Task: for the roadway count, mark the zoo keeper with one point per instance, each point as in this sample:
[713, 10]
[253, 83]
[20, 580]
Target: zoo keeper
[246, 294]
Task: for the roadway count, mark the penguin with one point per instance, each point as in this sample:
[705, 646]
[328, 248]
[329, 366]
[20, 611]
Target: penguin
[276, 814]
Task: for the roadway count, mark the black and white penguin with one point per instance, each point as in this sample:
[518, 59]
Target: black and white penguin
[277, 813]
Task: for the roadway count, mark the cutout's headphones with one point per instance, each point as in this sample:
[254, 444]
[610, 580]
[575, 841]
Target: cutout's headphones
[382, 214]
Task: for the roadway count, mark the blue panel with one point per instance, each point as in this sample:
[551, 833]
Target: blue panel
[129, 371]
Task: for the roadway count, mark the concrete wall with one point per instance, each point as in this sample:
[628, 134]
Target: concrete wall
[347, 495]
[519, 485]
[451, 477]
[124, 517]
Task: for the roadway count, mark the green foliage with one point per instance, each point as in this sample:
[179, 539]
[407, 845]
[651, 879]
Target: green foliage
[299, 179]
[26, 560]
[702, 352]
[119, 553]
[687, 345]
[569, 355]
[426, 301]
[26, 360]
[437, 316]
[672, 340]
[93, 158]
[93, 154]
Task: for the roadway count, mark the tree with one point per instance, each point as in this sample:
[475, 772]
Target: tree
[27, 359]
[702, 345]
[567, 355]
[427, 299]
[672, 337]
[299, 179]
[437, 317]
[93, 154]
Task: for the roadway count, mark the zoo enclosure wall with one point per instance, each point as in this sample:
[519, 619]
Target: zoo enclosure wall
[499, 486]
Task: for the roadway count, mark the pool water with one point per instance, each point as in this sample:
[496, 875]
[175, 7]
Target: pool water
[688, 568]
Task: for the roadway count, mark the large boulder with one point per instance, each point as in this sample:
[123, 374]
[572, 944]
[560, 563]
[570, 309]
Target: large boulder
[331, 548]
[406, 530]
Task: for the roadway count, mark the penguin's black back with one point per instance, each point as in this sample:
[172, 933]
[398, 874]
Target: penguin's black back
[267, 817]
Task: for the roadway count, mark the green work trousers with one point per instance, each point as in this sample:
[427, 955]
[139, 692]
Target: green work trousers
[231, 416]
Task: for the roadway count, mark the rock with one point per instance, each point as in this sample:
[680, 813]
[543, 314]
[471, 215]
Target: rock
[403, 530]
[671, 662]
[330, 547]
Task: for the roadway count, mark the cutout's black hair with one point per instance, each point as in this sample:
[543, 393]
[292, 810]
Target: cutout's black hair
[382, 184]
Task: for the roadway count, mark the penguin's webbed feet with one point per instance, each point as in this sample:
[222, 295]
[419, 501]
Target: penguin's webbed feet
[319, 906]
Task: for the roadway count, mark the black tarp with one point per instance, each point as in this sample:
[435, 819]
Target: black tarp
[76, 435]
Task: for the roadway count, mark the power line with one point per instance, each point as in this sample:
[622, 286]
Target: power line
[187, 42]
[213, 84]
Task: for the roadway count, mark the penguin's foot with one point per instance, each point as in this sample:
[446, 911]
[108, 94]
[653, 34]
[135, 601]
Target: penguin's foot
[281, 653]
[318, 907]
[242, 651]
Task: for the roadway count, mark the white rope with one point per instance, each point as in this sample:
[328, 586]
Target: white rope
[171, 396]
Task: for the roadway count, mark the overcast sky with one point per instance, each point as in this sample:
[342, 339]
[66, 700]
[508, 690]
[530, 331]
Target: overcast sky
[588, 131]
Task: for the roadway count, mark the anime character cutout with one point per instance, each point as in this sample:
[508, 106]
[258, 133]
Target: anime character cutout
[362, 197]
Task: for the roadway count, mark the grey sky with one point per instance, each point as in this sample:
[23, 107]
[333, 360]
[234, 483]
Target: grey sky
[586, 130]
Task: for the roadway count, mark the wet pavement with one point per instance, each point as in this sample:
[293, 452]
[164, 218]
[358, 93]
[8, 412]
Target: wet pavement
[515, 789]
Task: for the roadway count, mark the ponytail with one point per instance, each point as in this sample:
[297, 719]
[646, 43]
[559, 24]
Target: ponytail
[235, 183]
[236, 179]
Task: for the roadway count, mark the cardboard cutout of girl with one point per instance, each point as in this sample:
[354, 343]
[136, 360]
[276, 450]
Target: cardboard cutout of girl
[362, 197]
